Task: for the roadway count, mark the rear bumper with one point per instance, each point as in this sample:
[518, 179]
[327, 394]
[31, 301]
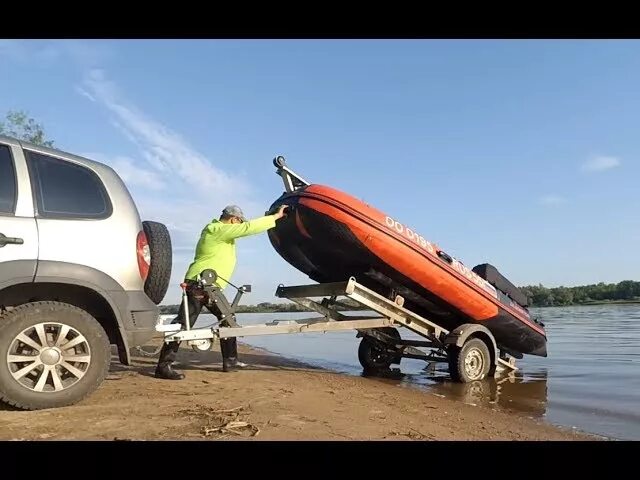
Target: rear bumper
[138, 317]
[142, 335]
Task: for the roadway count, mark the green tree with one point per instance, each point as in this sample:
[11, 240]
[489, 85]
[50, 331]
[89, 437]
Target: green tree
[562, 296]
[19, 125]
[626, 290]
[580, 295]
[602, 292]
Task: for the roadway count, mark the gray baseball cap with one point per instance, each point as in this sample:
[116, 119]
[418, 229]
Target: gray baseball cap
[234, 211]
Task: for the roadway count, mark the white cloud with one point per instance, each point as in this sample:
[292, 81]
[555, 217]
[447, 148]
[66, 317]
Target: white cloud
[600, 164]
[550, 200]
[163, 148]
[131, 174]
[173, 183]
[85, 94]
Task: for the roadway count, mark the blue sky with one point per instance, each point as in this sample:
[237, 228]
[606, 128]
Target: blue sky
[518, 153]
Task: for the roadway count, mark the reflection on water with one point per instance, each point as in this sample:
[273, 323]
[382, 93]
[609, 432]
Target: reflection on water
[511, 392]
[590, 380]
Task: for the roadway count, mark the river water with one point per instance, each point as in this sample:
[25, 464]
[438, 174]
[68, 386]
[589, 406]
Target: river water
[589, 381]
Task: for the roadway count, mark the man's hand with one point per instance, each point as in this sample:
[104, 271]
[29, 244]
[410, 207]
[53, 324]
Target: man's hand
[280, 213]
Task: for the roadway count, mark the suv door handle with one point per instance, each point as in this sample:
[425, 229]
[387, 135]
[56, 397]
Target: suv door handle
[10, 240]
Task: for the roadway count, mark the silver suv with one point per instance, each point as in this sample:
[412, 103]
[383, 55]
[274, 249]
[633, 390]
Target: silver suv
[79, 272]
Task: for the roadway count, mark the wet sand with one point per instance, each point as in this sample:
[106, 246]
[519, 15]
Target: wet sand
[272, 399]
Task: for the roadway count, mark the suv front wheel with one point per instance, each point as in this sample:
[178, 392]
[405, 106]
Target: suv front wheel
[52, 354]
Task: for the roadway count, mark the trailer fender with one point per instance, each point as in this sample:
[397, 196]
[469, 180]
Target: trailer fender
[460, 335]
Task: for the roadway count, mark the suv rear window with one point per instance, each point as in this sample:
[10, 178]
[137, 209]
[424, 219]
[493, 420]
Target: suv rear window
[67, 190]
[7, 182]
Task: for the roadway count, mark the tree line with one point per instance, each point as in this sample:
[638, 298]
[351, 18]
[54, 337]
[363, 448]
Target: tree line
[625, 291]
[539, 296]
[267, 307]
[259, 308]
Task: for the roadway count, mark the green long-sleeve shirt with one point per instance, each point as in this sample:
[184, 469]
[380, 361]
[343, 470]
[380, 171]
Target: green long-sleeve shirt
[216, 248]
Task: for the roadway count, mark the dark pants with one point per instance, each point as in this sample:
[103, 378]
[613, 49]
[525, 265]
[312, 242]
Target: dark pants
[197, 299]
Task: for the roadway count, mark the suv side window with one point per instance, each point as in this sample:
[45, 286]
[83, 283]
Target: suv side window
[66, 190]
[8, 188]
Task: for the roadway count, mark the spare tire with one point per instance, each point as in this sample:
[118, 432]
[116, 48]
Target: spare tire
[159, 275]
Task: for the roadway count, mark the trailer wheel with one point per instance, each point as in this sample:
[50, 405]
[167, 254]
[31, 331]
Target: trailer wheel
[470, 362]
[373, 356]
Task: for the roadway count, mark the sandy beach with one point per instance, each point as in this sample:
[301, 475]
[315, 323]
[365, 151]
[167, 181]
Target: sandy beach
[273, 399]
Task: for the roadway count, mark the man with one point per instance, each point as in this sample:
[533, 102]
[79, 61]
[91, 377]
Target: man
[216, 250]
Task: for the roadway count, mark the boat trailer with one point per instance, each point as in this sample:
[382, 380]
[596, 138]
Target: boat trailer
[470, 350]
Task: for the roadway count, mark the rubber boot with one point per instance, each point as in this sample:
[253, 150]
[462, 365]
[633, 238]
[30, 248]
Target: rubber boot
[232, 363]
[229, 350]
[167, 357]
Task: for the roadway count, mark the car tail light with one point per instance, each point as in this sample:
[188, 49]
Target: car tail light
[144, 255]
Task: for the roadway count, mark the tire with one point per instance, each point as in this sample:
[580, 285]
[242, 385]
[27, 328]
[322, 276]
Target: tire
[372, 357]
[159, 275]
[470, 363]
[64, 386]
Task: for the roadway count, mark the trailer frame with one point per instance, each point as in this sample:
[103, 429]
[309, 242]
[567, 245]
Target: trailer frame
[381, 343]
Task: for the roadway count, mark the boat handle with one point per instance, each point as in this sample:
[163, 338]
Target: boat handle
[290, 209]
[445, 257]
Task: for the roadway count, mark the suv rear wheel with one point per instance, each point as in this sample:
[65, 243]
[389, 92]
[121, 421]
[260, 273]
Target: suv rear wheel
[52, 354]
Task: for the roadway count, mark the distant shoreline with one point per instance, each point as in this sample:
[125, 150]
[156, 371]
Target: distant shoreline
[589, 304]
[625, 292]
[286, 308]
[173, 309]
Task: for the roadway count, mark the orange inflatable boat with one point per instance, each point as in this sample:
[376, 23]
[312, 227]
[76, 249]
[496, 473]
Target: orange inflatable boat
[332, 236]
